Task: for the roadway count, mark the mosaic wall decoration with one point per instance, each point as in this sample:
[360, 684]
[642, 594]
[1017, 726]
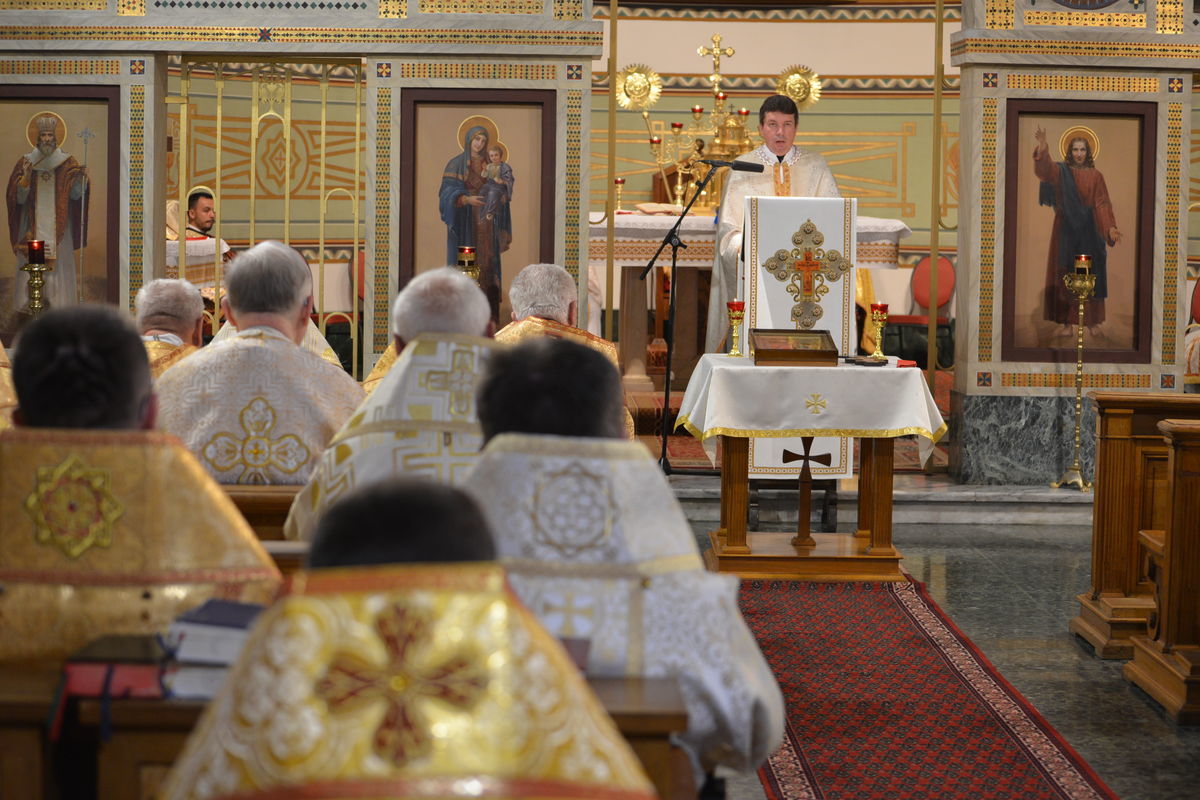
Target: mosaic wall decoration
[131, 8]
[53, 5]
[1089, 49]
[999, 14]
[1169, 15]
[492, 38]
[765, 84]
[1084, 19]
[481, 6]
[1091, 380]
[60, 67]
[137, 187]
[265, 5]
[503, 72]
[393, 9]
[383, 214]
[1166, 381]
[987, 227]
[1171, 230]
[568, 9]
[1082, 83]
[574, 146]
[855, 13]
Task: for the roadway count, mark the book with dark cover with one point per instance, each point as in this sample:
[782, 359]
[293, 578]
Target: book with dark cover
[212, 633]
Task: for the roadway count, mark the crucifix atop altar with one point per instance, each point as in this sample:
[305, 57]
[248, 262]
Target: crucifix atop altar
[716, 51]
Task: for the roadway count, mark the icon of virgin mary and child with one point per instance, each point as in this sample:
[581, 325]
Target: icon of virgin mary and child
[474, 199]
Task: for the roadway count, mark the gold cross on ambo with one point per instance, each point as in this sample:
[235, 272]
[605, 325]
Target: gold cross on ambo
[808, 267]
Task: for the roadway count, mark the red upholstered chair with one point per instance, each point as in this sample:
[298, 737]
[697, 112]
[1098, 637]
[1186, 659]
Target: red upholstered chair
[1191, 346]
[906, 335]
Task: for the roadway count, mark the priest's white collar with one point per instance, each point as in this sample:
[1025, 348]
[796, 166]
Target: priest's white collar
[764, 154]
[165, 338]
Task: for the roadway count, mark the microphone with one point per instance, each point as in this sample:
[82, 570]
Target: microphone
[739, 166]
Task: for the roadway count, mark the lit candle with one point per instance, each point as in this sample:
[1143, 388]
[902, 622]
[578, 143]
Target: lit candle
[37, 251]
[879, 308]
[720, 95]
[697, 109]
[1083, 264]
[655, 140]
[743, 112]
[736, 305]
[676, 126]
[619, 181]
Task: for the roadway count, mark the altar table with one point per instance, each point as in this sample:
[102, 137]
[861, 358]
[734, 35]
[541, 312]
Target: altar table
[737, 400]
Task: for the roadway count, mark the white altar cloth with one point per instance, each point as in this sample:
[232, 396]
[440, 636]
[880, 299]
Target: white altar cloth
[729, 396]
[637, 236]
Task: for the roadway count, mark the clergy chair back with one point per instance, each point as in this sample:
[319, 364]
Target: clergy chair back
[906, 335]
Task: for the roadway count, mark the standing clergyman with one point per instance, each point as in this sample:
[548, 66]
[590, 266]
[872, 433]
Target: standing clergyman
[47, 200]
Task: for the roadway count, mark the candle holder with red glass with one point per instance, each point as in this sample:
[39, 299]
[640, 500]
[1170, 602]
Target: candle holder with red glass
[466, 262]
[737, 312]
[36, 267]
[879, 316]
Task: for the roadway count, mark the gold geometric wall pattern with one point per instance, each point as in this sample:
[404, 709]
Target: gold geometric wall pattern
[870, 165]
[340, 139]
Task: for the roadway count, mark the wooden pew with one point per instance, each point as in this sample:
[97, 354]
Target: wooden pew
[1166, 660]
[148, 736]
[1131, 464]
[26, 698]
[264, 507]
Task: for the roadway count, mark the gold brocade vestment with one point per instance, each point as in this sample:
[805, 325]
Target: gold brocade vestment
[404, 682]
[8, 394]
[113, 532]
[163, 355]
[420, 421]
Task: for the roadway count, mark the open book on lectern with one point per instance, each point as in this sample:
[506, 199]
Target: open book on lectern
[798, 273]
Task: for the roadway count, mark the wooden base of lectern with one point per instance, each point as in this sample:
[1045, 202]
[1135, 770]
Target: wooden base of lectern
[836, 557]
[1110, 623]
[1172, 678]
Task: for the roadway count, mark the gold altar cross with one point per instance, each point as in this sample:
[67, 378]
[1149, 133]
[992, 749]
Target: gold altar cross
[716, 51]
[807, 268]
[803, 536]
[459, 381]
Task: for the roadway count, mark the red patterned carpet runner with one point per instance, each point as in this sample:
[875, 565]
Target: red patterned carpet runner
[886, 698]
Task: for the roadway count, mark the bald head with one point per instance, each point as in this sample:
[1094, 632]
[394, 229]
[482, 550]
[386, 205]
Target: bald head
[169, 305]
[544, 290]
[442, 300]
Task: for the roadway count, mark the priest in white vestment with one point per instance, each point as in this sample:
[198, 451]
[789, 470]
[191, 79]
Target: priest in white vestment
[788, 172]
[420, 420]
[598, 547]
[258, 409]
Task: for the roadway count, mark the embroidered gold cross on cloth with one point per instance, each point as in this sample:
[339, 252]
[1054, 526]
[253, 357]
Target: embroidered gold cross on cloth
[806, 268]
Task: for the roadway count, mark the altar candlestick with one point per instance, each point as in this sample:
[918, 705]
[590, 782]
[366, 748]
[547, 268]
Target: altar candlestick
[37, 252]
[1083, 264]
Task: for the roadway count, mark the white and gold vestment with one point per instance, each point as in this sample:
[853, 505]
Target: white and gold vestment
[8, 394]
[597, 546]
[313, 341]
[113, 532]
[800, 174]
[420, 420]
[256, 408]
[404, 682]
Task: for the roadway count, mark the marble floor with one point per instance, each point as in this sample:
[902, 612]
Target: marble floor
[1011, 589]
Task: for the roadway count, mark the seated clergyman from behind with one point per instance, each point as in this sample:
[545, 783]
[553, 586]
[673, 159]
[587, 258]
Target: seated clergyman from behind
[544, 302]
[579, 514]
[401, 521]
[109, 526]
[420, 420]
[170, 317]
[257, 408]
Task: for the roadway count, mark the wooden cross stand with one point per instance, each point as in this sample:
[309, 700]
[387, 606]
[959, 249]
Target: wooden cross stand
[803, 536]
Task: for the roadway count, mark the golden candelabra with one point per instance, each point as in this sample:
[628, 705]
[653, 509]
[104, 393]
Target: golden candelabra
[1082, 284]
[36, 267]
[466, 263]
[620, 184]
[737, 312]
[879, 317]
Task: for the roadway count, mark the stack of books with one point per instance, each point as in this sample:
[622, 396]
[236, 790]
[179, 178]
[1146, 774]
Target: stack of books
[203, 644]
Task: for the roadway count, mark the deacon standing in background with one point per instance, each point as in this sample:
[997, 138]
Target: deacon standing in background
[597, 546]
[789, 172]
[170, 317]
[201, 245]
[257, 408]
[420, 420]
[47, 200]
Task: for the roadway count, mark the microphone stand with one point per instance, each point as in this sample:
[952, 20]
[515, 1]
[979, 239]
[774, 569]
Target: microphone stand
[672, 239]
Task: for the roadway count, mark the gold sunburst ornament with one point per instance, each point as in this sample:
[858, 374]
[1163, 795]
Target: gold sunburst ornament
[801, 84]
[638, 87]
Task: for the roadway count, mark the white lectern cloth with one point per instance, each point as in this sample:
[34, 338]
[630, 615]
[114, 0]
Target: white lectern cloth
[735, 397]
